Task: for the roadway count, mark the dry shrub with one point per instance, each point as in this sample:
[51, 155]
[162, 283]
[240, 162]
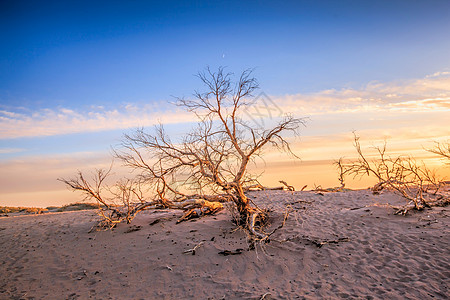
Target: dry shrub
[27, 210]
[404, 175]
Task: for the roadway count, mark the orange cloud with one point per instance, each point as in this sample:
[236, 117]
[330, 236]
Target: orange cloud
[430, 93]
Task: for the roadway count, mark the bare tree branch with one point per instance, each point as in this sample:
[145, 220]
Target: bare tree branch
[442, 149]
[419, 185]
[210, 160]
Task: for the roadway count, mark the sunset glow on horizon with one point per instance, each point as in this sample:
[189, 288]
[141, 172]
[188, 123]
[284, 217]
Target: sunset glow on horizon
[74, 79]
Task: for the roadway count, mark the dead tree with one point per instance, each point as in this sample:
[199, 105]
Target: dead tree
[442, 149]
[211, 160]
[419, 185]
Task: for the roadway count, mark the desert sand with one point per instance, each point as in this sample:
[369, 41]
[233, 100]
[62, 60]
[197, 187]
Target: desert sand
[333, 246]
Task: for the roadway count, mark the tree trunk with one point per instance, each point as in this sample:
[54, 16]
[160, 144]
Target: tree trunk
[242, 205]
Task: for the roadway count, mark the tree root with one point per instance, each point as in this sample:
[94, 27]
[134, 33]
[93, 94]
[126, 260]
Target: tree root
[289, 187]
[230, 252]
[198, 213]
[319, 243]
[194, 249]
[438, 201]
[252, 224]
[259, 187]
[194, 208]
[265, 296]
[316, 242]
[260, 236]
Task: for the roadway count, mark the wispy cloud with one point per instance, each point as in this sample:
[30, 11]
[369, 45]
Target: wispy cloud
[431, 93]
[438, 74]
[442, 104]
[10, 150]
[47, 122]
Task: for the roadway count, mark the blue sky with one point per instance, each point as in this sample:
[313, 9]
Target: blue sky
[75, 54]
[74, 75]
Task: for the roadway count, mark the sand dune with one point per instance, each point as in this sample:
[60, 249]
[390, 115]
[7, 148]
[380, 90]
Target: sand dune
[334, 246]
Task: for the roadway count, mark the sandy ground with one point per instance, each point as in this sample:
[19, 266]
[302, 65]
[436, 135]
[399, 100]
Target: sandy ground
[371, 254]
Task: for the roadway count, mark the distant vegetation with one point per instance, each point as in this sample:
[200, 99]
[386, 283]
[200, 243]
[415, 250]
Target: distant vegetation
[76, 206]
[28, 210]
[39, 210]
